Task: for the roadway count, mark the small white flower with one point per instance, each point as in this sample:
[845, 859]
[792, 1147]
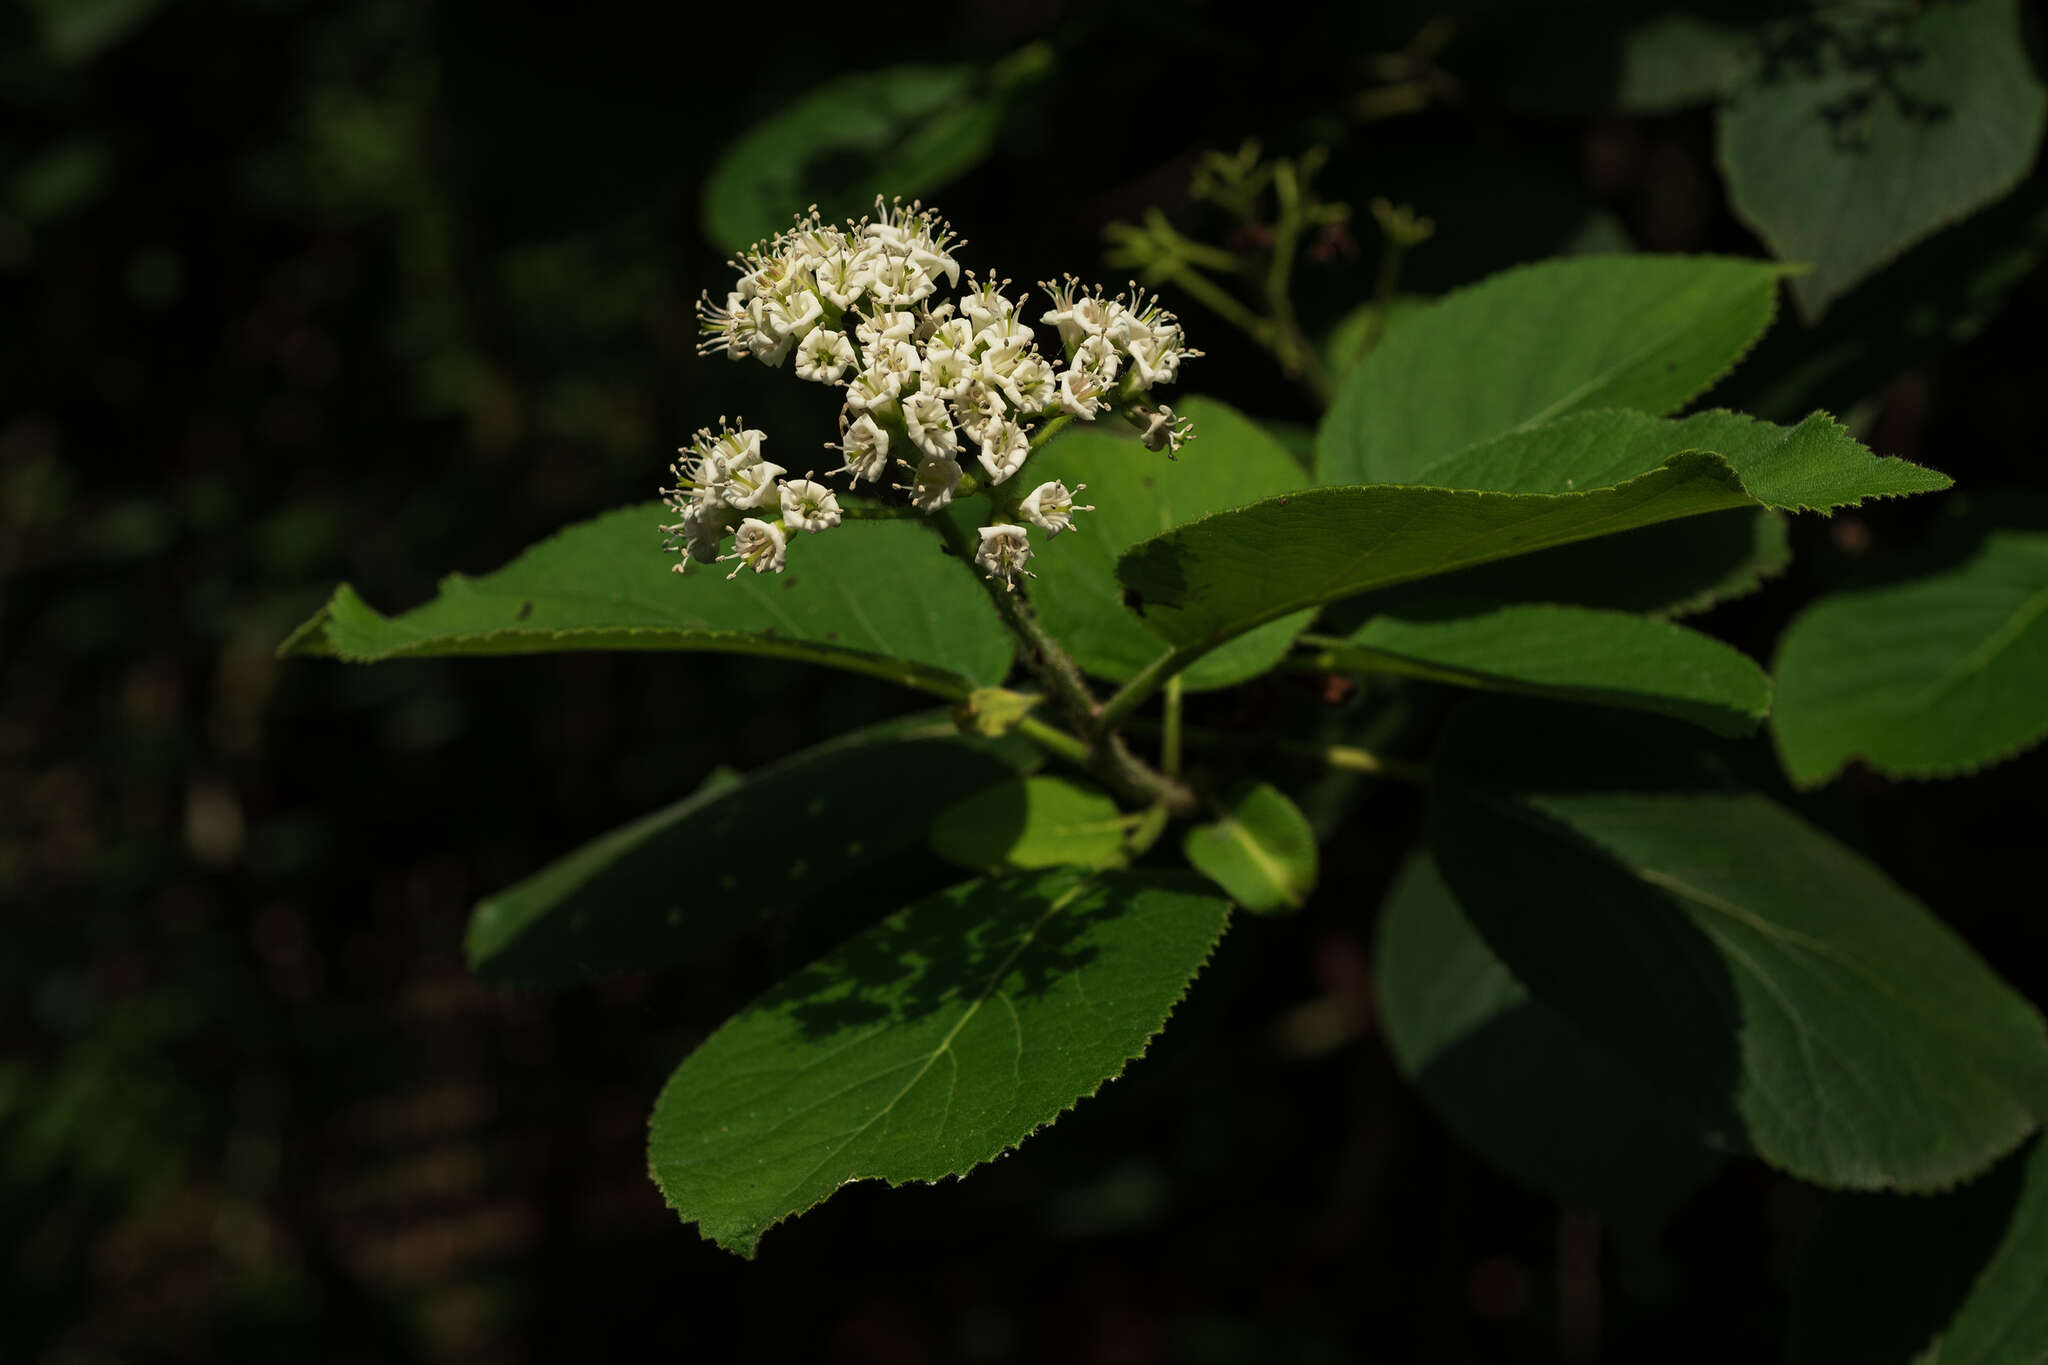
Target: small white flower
[986, 304]
[872, 391]
[1050, 506]
[886, 326]
[751, 485]
[701, 530]
[1004, 448]
[944, 372]
[1003, 553]
[1162, 430]
[843, 278]
[933, 487]
[898, 282]
[808, 505]
[1080, 393]
[794, 317]
[824, 356]
[953, 334]
[892, 364]
[760, 546]
[866, 448]
[930, 425]
[1031, 386]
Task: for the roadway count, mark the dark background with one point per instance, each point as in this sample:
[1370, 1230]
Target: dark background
[297, 291]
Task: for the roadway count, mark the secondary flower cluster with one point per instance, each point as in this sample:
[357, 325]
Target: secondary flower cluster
[928, 382]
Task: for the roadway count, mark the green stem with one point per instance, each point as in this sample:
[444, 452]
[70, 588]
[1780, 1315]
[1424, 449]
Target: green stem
[1343, 757]
[1291, 345]
[1054, 740]
[1170, 731]
[875, 511]
[1382, 297]
[1147, 680]
[1108, 757]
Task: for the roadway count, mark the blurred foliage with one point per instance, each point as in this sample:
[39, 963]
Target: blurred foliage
[303, 290]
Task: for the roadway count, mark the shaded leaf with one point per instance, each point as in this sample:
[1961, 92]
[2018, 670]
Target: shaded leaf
[876, 597]
[901, 130]
[1605, 657]
[1960, 1279]
[1260, 849]
[1866, 128]
[1511, 1076]
[1139, 493]
[933, 1042]
[1642, 332]
[1930, 677]
[1798, 1003]
[1935, 297]
[1673, 569]
[690, 876]
[1030, 822]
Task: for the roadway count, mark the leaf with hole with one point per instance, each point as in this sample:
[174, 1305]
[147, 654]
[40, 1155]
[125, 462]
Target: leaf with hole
[935, 1041]
[1865, 128]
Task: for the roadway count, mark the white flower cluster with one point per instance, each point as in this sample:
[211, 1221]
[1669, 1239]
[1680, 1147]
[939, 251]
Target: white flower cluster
[927, 381]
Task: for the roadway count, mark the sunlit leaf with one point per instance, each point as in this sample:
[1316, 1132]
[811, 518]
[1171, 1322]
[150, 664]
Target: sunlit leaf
[935, 1041]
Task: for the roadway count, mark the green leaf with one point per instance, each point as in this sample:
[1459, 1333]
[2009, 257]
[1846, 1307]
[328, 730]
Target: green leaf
[901, 130]
[1867, 128]
[1030, 822]
[1260, 849]
[1206, 582]
[1139, 493]
[1528, 345]
[876, 597]
[1781, 988]
[1953, 1280]
[689, 876]
[1511, 1076]
[1931, 677]
[1813, 467]
[1673, 569]
[1605, 657]
[1344, 346]
[1616, 56]
[935, 1041]
[1917, 309]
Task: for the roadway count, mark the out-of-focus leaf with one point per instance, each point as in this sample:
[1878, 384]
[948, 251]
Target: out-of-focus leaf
[1796, 1002]
[1865, 128]
[935, 1041]
[1512, 1077]
[902, 130]
[1260, 849]
[1955, 1279]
